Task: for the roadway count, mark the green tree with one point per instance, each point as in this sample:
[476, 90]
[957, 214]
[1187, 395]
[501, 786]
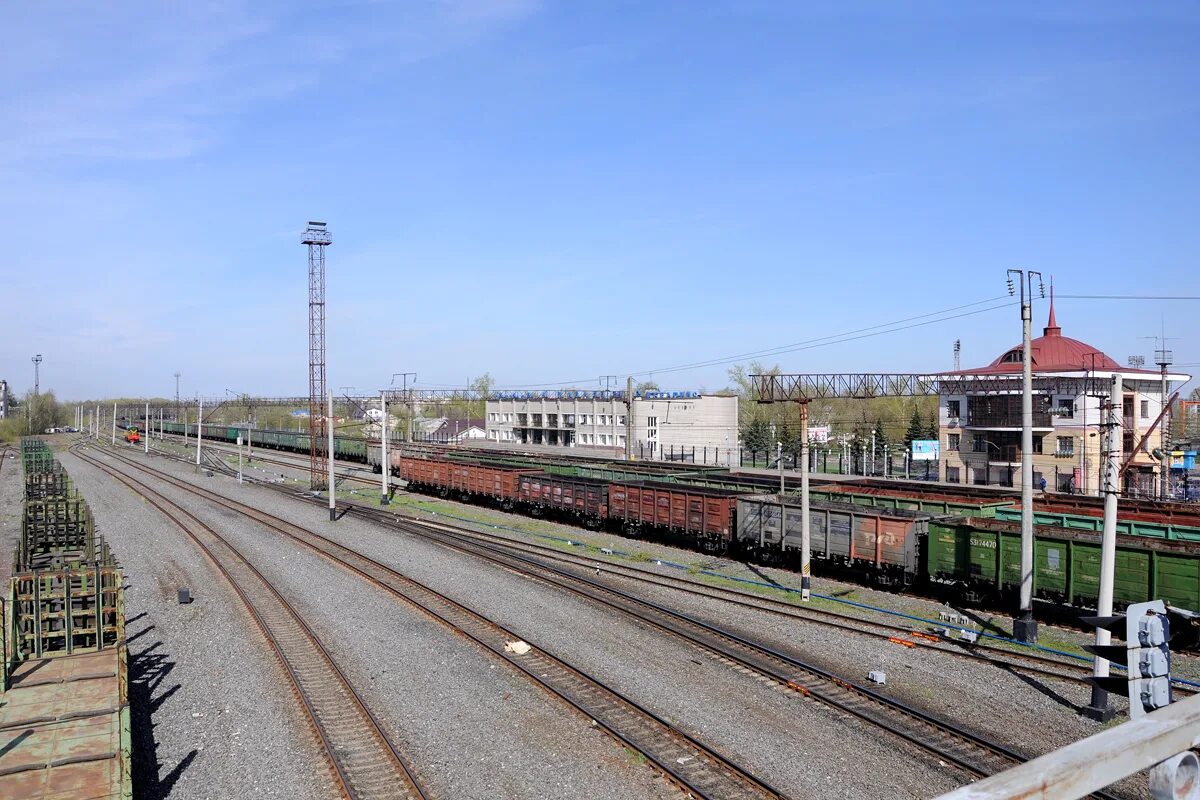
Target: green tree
[757, 435]
[931, 428]
[34, 414]
[916, 428]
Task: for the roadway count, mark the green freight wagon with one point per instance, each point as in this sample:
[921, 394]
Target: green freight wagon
[981, 559]
[1128, 527]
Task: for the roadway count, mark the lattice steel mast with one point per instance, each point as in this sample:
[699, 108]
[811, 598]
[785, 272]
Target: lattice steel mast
[317, 237]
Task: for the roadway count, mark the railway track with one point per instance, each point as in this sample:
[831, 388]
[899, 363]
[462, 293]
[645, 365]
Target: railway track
[901, 635]
[699, 770]
[973, 754]
[363, 760]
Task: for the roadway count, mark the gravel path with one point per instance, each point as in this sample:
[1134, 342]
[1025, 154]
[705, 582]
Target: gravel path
[472, 727]
[212, 714]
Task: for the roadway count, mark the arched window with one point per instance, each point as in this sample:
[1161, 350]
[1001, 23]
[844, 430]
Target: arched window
[1012, 357]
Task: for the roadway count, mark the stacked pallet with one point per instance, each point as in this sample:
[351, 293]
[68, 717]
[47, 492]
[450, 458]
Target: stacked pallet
[64, 716]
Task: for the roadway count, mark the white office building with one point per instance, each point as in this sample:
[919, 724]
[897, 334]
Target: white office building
[681, 426]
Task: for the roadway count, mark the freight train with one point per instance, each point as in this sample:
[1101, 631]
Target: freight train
[959, 541]
[964, 557]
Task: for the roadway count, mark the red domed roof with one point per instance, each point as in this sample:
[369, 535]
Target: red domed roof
[1054, 352]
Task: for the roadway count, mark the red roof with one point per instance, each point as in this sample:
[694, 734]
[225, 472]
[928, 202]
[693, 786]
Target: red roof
[1052, 352]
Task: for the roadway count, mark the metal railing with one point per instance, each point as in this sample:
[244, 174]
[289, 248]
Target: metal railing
[1159, 740]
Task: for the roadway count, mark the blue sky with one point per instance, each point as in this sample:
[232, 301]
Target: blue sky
[553, 191]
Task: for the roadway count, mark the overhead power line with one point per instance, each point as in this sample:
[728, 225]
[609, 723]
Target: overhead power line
[1129, 297]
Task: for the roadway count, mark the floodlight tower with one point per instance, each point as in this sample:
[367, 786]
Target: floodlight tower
[317, 237]
[37, 366]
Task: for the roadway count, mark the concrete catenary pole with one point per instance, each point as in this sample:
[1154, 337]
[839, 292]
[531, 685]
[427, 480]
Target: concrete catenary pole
[332, 493]
[629, 418]
[1099, 707]
[114, 424]
[385, 466]
[1164, 473]
[146, 432]
[805, 522]
[199, 429]
[1026, 611]
[239, 448]
[97, 427]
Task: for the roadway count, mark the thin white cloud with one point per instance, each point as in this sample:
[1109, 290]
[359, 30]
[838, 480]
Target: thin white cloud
[167, 84]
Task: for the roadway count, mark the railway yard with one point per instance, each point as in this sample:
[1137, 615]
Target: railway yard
[437, 648]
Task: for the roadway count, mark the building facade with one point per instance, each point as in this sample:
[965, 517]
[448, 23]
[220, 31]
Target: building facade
[682, 426]
[980, 431]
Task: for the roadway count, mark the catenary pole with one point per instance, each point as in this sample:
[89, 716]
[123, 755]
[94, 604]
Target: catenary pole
[146, 432]
[97, 429]
[1099, 708]
[805, 522]
[199, 428]
[1024, 626]
[114, 424]
[385, 466]
[239, 448]
[332, 494]
[629, 418]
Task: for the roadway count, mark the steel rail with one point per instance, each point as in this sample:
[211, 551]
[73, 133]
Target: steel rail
[1037, 665]
[686, 761]
[1034, 664]
[362, 757]
[939, 737]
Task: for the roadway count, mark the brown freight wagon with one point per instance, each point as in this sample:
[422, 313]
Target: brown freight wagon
[465, 477]
[584, 498]
[703, 514]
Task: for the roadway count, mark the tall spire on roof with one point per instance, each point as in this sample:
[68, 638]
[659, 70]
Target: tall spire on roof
[1052, 328]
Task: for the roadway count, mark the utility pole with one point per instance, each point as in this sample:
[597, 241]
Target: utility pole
[114, 425]
[1099, 708]
[385, 466]
[239, 448]
[146, 432]
[1164, 358]
[97, 426]
[629, 419]
[199, 428]
[177, 373]
[805, 522]
[1024, 625]
[37, 368]
[332, 485]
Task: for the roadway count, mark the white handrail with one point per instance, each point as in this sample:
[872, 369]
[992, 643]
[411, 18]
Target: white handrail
[1090, 764]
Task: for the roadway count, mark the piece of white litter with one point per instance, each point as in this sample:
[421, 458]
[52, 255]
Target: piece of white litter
[606, 550]
[683, 760]
[876, 676]
[518, 647]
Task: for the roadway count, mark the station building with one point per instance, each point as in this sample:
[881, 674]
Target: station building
[981, 432]
[666, 425]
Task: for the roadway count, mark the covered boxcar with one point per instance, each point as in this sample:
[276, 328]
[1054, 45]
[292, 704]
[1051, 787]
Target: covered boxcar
[578, 499]
[700, 514]
[883, 542]
[982, 559]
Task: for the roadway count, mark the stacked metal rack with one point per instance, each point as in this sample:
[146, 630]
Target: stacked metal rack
[64, 670]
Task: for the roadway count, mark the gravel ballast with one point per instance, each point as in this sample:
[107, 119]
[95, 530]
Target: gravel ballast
[797, 745]
[469, 725]
[211, 709]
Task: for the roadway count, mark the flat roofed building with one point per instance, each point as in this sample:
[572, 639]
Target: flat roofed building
[666, 425]
[981, 432]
